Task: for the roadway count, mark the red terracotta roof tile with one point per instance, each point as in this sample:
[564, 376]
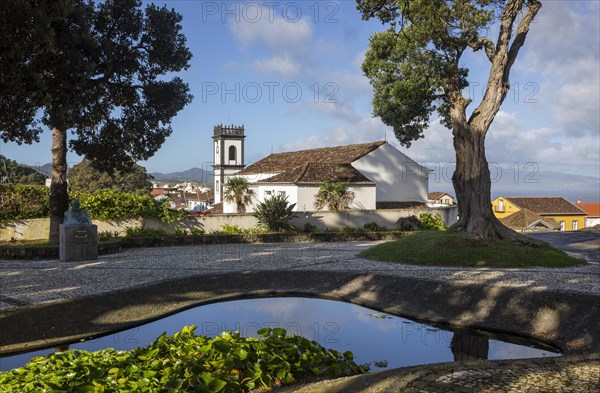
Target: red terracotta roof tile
[317, 173]
[283, 162]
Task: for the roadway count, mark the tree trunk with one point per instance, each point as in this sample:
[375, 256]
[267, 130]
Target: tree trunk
[472, 184]
[59, 197]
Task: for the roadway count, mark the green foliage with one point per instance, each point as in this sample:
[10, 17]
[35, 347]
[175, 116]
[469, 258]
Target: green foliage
[238, 190]
[103, 70]
[414, 66]
[373, 227]
[310, 228]
[432, 222]
[107, 235]
[232, 230]
[334, 195]
[83, 177]
[19, 201]
[12, 172]
[381, 363]
[454, 248]
[227, 229]
[185, 362]
[144, 232]
[275, 213]
[111, 204]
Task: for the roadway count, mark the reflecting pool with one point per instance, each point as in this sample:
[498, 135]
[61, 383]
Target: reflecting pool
[371, 335]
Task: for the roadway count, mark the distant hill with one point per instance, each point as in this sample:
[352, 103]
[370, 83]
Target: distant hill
[13, 172]
[542, 183]
[193, 174]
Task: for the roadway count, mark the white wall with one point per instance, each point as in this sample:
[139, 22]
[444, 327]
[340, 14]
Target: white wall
[398, 177]
[364, 198]
[592, 221]
[37, 229]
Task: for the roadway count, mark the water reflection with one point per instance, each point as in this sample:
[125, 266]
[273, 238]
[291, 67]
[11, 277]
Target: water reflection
[469, 346]
[372, 336]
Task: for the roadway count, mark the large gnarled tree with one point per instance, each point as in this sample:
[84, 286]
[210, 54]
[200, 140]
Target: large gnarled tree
[415, 69]
[97, 71]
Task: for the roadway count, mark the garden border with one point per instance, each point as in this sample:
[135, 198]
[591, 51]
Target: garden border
[117, 245]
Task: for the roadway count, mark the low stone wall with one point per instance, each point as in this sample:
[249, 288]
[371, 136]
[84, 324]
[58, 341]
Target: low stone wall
[566, 320]
[117, 245]
[38, 229]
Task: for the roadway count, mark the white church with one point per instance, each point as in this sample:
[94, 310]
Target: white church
[379, 174]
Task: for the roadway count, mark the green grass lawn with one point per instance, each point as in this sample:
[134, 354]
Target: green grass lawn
[448, 248]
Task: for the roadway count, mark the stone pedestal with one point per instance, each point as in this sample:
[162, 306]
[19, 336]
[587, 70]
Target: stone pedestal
[78, 243]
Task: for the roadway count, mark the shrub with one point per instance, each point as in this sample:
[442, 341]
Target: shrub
[111, 204]
[18, 201]
[185, 362]
[432, 222]
[144, 232]
[107, 235]
[232, 230]
[373, 227]
[310, 228]
[275, 213]
[410, 223]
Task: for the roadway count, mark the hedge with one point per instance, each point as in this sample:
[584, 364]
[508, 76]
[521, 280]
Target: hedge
[21, 202]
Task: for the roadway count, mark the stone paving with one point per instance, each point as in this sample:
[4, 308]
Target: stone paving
[32, 282]
[579, 374]
[29, 281]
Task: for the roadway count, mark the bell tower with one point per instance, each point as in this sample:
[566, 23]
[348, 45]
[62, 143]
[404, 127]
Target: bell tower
[228, 150]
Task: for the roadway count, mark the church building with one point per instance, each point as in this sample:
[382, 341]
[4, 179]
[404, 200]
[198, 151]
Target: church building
[379, 174]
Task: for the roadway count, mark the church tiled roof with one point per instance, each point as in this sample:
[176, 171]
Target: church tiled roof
[317, 173]
[284, 162]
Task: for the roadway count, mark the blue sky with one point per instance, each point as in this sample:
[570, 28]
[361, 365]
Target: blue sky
[290, 72]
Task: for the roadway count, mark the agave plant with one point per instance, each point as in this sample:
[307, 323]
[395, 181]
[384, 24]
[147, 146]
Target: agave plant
[238, 190]
[275, 213]
[334, 195]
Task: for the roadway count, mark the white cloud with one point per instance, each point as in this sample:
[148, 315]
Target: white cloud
[575, 105]
[564, 50]
[284, 65]
[366, 129]
[278, 34]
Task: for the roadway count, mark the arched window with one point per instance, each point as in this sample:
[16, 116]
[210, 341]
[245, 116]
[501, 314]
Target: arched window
[232, 153]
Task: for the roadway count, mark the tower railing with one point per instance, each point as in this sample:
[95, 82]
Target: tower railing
[228, 130]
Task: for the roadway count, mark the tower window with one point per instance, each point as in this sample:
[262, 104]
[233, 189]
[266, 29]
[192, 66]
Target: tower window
[232, 153]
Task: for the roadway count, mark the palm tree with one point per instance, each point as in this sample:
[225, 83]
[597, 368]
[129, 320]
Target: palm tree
[334, 195]
[238, 190]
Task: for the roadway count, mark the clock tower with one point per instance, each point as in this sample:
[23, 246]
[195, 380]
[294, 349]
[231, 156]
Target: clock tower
[228, 151]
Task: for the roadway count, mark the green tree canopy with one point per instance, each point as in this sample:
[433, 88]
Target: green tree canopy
[84, 177]
[416, 68]
[101, 72]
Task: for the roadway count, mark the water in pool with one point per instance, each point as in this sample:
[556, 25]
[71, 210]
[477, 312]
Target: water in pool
[372, 336]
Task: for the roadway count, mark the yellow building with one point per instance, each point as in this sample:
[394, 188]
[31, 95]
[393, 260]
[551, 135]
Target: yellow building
[569, 216]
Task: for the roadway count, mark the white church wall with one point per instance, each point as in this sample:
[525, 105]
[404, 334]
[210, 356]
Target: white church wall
[398, 178]
[364, 198]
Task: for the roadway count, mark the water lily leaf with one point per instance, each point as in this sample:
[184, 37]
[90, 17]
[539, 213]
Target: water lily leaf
[240, 353]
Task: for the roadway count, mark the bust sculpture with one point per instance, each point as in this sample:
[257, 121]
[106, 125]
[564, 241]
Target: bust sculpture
[77, 215]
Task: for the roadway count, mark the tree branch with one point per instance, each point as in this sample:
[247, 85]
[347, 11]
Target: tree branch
[522, 30]
[487, 44]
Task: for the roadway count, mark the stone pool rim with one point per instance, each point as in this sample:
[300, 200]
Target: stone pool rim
[564, 320]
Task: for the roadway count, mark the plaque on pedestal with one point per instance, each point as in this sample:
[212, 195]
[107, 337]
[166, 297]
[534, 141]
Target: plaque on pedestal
[78, 243]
